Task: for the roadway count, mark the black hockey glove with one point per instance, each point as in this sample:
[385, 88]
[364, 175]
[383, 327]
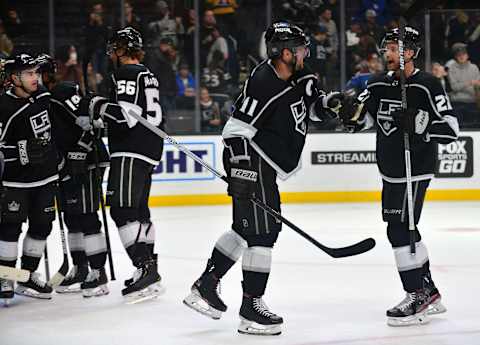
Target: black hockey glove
[411, 121]
[241, 181]
[77, 166]
[33, 151]
[351, 113]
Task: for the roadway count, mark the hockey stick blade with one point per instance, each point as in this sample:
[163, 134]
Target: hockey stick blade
[15, 274]
[58, 277]
[355, 249]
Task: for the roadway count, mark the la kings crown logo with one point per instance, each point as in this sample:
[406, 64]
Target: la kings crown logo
[384, 119]
[455, 159]
[299, 112]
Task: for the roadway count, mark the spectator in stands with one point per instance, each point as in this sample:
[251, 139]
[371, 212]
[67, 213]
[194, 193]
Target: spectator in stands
[375, 64]
[474, 38]
[219, 45]
[224, 11]
[206, 35]
[320, 50]
[371, 26]
[457, 28]
[161, 64]
[14, 26]
[132, 19]
[325, 19]
[68, 66]
[97, 34]
[210, 112]
[6, 45]
[166, 25]
[358, 82]
[439, 71]
[464, 78]
[186, 87]
[185, 81]
[366, 47]
[381, 7]
[353, 34]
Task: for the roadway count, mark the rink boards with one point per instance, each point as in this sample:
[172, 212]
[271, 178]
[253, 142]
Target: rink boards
[335, 167]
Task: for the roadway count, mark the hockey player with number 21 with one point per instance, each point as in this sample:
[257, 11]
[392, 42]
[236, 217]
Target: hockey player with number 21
[263, 138]
[135, 151]
[429, 119]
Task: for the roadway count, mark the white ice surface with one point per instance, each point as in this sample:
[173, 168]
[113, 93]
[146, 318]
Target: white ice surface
[323, 300]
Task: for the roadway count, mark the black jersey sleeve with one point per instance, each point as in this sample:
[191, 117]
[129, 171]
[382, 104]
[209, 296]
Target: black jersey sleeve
[443, 124]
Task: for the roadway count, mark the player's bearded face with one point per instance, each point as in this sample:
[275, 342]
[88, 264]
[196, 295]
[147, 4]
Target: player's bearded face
[28, 79]
[391, 53]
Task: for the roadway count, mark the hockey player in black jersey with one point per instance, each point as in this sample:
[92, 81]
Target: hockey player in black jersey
[78, 188]
[429, 119]
[31, 172]
[135, 151]
[263, 138]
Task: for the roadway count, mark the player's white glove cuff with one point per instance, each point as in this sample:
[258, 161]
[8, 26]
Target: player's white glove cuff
[93, 106]
[421, 121]
[84, 123]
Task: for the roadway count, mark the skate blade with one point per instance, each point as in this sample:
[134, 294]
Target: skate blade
[100, 290]
[149, 293]
[436, 308]
[417, 319]
[197, 303]
[6, 302]
[27, 292]
[253, 328]
[75, 288]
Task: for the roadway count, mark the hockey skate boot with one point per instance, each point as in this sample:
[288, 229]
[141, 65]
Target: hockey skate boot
[6, 291]
[71, 283]
[412, 310]
[146, 284]
[257, 319]
[95, 283]
[204, 297]
[434, 299]
[129, 281]
[34, 288]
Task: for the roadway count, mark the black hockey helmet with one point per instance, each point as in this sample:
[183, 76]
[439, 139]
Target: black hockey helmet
[284, 35]
[127, 38]
[411, 39]
[19, 63]
[46, 63]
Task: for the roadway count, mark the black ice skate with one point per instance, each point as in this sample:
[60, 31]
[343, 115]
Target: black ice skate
[146, 284]
[129, 281]
[255, 318]
[6, 291]
[434, 299]
[71, 283]
[411, 311]
[95, 283]
[34, 288]
[204, 297]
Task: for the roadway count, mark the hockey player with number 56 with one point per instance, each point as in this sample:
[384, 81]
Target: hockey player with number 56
[135, 151]
[429, 119]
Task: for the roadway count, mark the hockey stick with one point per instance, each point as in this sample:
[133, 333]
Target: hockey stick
[98, 177]
[406, 139]
[47, 264]
[58, 278]
[355, 249]
[15, 274]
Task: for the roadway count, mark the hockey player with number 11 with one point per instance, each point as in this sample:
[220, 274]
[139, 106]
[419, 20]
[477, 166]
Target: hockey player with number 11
[263, 138]
[429, 119]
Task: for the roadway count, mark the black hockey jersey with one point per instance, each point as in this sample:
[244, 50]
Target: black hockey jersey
[424, 91]
[69, 137]
[272, 114]
[23, 119]
[134, 88]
